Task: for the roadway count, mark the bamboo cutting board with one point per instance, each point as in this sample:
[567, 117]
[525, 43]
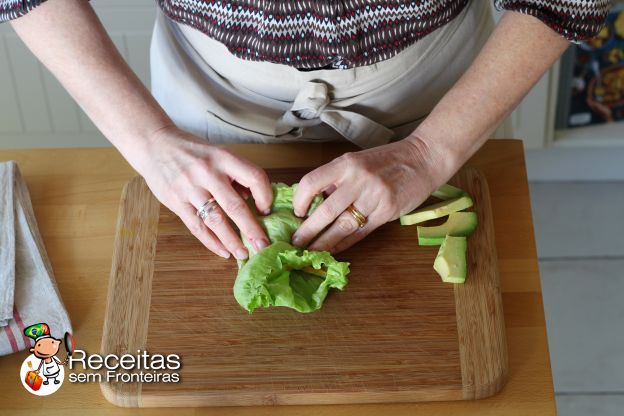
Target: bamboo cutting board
[395, 334]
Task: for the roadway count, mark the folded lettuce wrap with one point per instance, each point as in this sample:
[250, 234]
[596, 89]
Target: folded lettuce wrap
[282, 274]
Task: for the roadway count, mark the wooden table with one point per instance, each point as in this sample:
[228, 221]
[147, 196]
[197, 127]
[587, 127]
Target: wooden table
[75, 193]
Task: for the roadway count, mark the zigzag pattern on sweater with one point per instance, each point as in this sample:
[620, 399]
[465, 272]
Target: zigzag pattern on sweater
[12, 9]
[314, 34]
[343, 34]
[349, 33]
[577, 20]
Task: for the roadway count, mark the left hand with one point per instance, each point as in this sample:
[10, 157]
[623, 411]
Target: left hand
[382, 183]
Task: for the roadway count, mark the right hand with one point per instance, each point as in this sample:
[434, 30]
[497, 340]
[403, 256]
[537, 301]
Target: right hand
[184, 172]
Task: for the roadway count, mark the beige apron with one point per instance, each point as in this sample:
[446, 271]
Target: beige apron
[209, 92]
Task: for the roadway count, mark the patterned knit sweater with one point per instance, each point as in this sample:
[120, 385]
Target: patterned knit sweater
[311, 34]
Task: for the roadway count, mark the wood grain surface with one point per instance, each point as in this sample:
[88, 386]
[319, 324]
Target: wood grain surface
[395, 334]
[129, 296]
[478, 304]
[75, 195]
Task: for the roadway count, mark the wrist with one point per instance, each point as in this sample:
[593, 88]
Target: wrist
[440, 163]
[138, 147]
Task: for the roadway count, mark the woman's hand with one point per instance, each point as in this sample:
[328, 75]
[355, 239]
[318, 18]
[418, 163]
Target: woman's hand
[184, 172]
[391, 180]
[181, 170]
[382, 183]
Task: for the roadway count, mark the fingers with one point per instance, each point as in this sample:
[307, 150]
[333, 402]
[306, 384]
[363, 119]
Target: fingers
[229, 190]
[254, 178]
[344, 226]
[217, 221]
[313, 184]
[324, 215]
[241, 190]
[236, 208]
[196, 226]
[374, 221]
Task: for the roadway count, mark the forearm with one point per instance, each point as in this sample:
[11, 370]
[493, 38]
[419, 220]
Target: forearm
[181, 170]
[68, 38]
[516, 55]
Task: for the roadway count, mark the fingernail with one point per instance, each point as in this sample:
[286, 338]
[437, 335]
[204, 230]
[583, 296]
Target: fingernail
[296, 240]
[223, 253]
[241, 254]
[266, 211]
[260, 244]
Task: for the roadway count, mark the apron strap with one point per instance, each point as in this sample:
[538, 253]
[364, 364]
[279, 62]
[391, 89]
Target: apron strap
[312, 107]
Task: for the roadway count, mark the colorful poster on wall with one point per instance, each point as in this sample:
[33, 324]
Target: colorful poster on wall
[592, 78]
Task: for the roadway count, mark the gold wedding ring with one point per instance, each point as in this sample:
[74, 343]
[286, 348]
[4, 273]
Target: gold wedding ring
[359, 217]
[206, 208]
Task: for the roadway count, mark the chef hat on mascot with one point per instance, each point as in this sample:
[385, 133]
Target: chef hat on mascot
[38, 331]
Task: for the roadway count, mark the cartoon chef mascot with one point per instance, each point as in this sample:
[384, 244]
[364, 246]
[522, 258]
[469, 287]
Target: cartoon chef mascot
[45, 348]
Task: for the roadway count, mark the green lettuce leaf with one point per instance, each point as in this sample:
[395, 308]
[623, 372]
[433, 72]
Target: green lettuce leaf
[279, 226]
[284, 275]
[283, 198]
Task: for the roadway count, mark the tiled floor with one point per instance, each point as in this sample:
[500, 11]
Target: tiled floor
[590, 405]
[579, 229]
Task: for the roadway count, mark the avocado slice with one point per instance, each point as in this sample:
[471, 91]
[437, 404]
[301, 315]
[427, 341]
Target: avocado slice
[438, 210]
[458, 224]
[447, 191]
[450, 263]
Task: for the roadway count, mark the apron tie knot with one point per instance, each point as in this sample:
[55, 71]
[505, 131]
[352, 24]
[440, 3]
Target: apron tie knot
[311, 101]
[312, 107]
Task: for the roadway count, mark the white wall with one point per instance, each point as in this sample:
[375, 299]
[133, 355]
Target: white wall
[35, 111]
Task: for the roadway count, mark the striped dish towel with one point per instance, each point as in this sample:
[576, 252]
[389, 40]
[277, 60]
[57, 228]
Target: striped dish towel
[28, 292]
